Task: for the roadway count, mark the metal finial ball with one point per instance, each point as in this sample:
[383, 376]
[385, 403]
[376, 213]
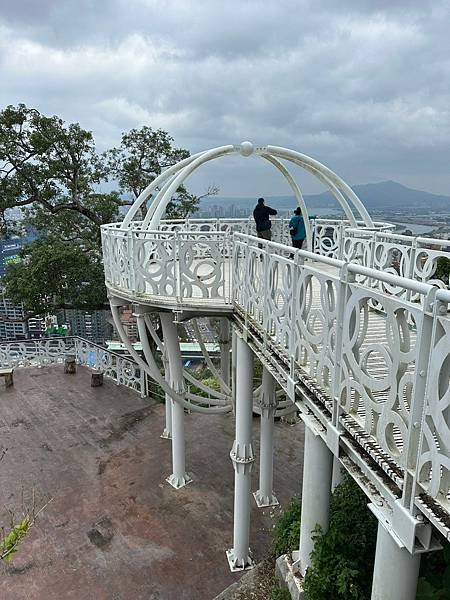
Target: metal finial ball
[246, 148]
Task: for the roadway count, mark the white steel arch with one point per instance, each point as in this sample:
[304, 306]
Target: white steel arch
[168, 182]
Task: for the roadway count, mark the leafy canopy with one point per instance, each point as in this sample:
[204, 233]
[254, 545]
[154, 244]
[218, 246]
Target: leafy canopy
[52, 172]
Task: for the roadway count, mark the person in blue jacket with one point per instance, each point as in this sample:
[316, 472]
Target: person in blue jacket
[297, 228]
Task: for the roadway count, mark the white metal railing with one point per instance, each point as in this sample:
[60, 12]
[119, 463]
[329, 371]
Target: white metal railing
[190, 261]
[387, 369]
[42, 352]
[170, 265]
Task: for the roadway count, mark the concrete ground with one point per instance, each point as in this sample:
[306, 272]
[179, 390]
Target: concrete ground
[115, 530]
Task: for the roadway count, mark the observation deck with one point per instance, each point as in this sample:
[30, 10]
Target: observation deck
[354, 331]
[346, 321]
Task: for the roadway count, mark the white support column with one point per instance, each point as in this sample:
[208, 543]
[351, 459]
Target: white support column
[179, 477]
[239, 557]
[337, 473]
[167, 433]
[224, 342]
[316, 492]
[233, 367]
[395, 572]
[268, 403]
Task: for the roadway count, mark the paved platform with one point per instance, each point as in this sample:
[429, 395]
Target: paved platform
[114, 529]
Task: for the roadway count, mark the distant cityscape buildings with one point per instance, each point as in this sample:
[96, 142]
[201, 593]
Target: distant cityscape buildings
[222, 212]
[91, 325]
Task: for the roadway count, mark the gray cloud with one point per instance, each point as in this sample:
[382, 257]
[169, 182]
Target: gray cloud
[361, 85]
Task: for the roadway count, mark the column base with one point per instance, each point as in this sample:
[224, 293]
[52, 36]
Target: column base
[178, 482]
[238, 564]
[166, 435]
[263, 501]
[289, 577]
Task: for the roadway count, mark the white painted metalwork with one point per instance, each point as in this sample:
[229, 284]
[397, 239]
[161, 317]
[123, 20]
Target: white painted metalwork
[264, 496]
[179, 478]
[356, 334]
[396, 571]
[317, 471]
[43, 352]
[239, 557]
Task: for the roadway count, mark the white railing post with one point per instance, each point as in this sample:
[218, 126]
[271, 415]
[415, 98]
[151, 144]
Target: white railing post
[341, 239]
[296, 275]
[266, 322]
[177, 266]
[424, 337]
[412, 264]
[131, 259]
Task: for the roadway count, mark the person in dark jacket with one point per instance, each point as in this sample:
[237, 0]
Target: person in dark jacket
[262, 214]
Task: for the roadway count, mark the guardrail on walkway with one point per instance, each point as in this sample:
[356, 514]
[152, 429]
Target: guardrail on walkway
[387, 369]
[42, 352]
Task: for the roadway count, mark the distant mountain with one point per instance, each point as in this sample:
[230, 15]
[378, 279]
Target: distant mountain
[386, 195]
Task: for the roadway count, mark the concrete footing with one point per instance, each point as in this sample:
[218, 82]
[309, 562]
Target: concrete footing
[288, 577]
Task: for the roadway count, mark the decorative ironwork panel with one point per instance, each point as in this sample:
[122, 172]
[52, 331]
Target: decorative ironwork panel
[378, 362]
[434, 459]
[315, 324]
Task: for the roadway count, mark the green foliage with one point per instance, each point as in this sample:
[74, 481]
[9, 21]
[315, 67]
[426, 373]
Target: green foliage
[53, 173]
[48, 165]
[442, 269]
[286, 534]
[53, 274]
[343, 557]
[140, 158]
[279, 593]
[434, 580]
[9, 545]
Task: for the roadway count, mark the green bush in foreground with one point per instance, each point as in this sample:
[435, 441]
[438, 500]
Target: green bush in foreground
[279, 593]
[286, 534]
[434, 580]
[343, 557]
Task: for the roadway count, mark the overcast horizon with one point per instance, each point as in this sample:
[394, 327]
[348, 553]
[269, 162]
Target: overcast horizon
[362, 86]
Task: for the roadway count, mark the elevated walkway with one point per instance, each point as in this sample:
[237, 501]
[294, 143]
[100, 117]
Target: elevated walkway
[354, 330]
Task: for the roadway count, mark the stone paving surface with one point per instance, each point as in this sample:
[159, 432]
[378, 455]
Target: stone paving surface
[115, 530]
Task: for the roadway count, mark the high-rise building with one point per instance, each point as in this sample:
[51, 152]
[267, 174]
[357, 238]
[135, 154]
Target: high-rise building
[10, 248]
[12, 320]
[93, 325]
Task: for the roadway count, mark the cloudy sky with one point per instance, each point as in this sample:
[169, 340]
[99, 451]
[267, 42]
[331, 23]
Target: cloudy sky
[361, 85]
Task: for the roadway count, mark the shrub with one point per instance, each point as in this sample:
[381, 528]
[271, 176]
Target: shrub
[287, 529]
[434, 580]
[279, 593]
[442, 269]
[343, 557]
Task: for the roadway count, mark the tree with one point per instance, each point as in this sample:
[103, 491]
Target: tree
[143, 154]
[48, 166]
[52, 172]
[55, 274]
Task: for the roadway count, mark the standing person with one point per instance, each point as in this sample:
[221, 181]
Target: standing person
[262, 214]
[297, 228]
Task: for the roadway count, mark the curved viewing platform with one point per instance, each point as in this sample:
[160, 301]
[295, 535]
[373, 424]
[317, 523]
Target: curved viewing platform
[297, 304]
[353, 331]
[188, 263]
